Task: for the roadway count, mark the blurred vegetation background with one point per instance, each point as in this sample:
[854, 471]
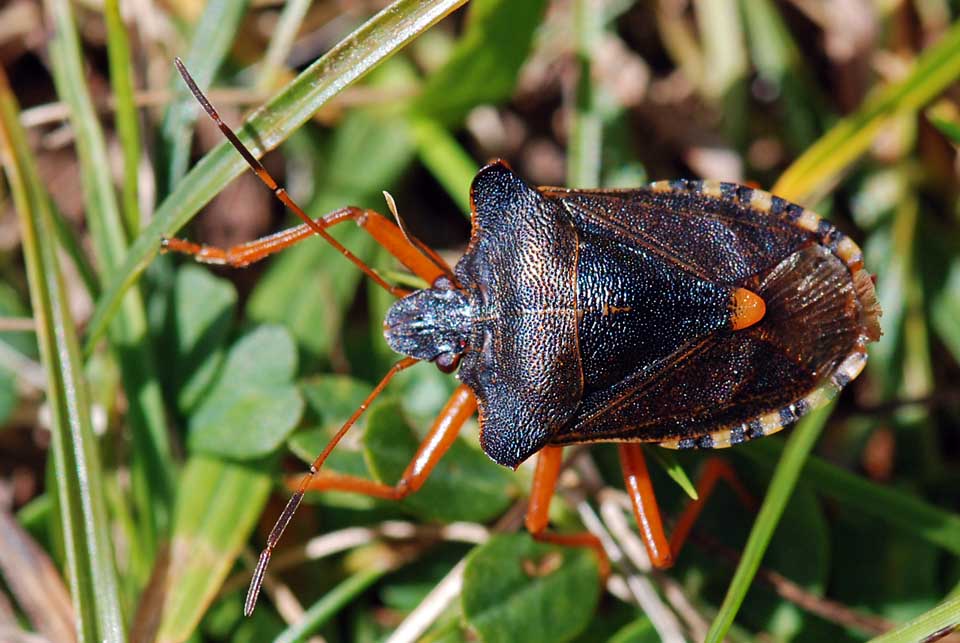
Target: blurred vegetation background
[151, 407]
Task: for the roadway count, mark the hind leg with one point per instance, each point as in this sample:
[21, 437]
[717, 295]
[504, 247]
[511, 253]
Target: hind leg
[636, 476]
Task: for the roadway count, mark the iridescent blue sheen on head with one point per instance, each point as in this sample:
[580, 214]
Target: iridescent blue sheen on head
[429, 323]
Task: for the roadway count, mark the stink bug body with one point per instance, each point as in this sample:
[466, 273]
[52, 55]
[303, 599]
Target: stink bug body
[688, 314]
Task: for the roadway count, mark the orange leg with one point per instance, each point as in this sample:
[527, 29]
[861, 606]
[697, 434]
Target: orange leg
[714, 470]
[544, 485]
[637, 479]
[414, 255]
[291, 508]
[384, 232]
[461, 405]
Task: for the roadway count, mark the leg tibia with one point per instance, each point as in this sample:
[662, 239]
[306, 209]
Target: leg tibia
[458, 409]
[714, 470]
[544, 484]
[383, 230]
[637, 479]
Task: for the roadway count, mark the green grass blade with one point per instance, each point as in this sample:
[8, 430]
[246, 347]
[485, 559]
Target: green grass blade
[586, 126]
[446, 100]
[217, 508]
[906, 512]
[446, 159]
[89, 553]
[778, 60]
[152, 469]
[666, 459]
[368, 46]
[210, 42]
[332, 602]
[941, 620]
[784, 480]
[720, 25]
[71, 245]
[943, 115]
[497, 37]
[291, 17]
[128, 128]
[811, 175]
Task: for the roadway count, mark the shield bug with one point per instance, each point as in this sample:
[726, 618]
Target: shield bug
[689, 314]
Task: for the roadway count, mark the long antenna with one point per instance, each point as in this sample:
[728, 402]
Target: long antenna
[294, 502]
[278, 190]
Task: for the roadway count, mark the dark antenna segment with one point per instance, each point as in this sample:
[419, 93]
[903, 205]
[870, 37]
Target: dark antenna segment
[278, 190]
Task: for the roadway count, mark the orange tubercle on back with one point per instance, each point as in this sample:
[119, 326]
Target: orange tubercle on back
[746, 309]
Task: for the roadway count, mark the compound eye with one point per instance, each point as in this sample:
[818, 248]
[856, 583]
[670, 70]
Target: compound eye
[447, 362]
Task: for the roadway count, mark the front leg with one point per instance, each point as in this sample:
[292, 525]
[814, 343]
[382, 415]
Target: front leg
[420, 261]
[458, 409]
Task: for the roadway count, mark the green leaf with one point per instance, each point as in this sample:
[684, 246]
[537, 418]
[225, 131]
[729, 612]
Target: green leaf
[313, 309]
[368, 46]
[200, 317]
[218, 504]
[335, 397]
[945, 117]
[332, 398]
[127, 125]
[516, 589]
[75, 457]
[781, 486]
[152, 464]
[465, 485]
[254, 405]
[246, 421]
[640, 631]
[371, 151]
[210, 42]
[940, 620]
[823, 163]
[497, 39]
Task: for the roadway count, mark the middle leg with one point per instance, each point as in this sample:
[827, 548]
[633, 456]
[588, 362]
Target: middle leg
[544, 484]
